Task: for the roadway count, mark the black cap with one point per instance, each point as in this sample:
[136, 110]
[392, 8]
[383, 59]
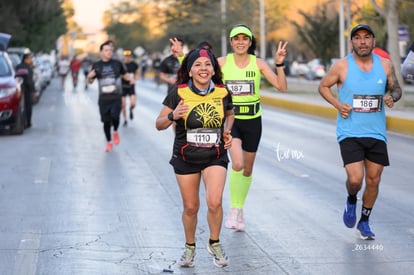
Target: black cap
[362, 27]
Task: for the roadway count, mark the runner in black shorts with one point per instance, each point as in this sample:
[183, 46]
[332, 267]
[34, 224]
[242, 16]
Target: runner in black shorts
[242, 74]
[128, 87]
[109, 72]
[202, 110]
[361, 121]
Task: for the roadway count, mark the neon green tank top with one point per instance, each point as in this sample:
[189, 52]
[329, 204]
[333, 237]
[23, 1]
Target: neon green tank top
[244, 86]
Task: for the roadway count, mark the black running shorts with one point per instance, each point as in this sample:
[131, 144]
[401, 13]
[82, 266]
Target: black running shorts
[184, 168]
[128, 91]
[249, 131]
[359, 149]
[110, 109]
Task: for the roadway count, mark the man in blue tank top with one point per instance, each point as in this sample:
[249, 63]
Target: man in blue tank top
[365, 82]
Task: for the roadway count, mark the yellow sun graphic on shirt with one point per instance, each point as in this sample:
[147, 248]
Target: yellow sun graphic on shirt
[206, 116]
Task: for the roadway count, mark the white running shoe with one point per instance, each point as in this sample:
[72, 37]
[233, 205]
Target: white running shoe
[220, 259]
[187, 259]
[239, 220]
[231, 220]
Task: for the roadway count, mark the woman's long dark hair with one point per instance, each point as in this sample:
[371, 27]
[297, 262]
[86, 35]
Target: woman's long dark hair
[252, 48]
[183, 75]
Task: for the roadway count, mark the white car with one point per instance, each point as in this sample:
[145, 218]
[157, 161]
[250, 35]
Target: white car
[46, 69]
[407, 68]
[299, 69]
[316, 69]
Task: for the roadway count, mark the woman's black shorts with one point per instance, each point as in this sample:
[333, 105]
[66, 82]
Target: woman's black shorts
[249, 131]
[184, 168]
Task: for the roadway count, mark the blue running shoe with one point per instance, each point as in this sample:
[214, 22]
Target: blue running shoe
[350, 215]
[365, 232]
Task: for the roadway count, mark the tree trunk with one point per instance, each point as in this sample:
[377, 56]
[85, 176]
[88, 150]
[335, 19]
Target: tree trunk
[390, 13]
[393, 40]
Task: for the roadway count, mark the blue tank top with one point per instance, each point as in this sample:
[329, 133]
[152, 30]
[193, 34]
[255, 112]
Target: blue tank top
[364, 91]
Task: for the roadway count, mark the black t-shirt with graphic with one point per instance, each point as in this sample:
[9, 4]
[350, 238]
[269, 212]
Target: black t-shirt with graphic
[108, 74]
[198, 137]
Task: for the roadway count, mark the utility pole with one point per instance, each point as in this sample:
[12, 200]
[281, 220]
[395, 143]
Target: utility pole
[348, 25]
[262, 31]
[341, 29]
[223, 29]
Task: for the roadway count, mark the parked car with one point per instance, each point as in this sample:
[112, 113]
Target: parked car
[286, 68]
[15, 59]
[12, 109]
[19, 51]
[46, 71]
[299, 69]
[316, 69]
[407, 68]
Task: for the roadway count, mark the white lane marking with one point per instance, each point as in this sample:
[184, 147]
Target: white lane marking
[27, 255]
[42, 173]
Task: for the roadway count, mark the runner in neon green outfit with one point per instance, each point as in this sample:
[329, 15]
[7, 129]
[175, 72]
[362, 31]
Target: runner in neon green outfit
[242, 73]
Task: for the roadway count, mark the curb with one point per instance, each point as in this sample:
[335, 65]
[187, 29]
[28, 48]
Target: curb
[396, 124]
[401, 125]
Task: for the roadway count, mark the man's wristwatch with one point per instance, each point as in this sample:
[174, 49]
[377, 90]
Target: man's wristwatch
[170, 116]
[393, 99]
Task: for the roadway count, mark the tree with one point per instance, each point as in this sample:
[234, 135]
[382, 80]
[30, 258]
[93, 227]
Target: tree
[35, 24]
[127, 36]
[136, 23]
[191, 20]
[319, 33]
[389, 11]
[194, 21]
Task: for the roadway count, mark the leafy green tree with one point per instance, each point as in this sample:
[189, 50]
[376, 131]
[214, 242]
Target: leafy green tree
[385, 17]
[320, 33]
[135, 23]
[194, 21]
[199, 20]
[35, 24]
[127, 36]
[191, 20]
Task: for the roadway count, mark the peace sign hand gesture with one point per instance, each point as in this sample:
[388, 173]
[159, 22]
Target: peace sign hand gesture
[176, 47]
[281, 52]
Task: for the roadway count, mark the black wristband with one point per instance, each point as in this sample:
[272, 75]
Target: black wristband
[394, 99]
[280, 65]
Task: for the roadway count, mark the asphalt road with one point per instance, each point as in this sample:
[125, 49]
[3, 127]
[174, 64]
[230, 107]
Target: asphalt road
[68, 207]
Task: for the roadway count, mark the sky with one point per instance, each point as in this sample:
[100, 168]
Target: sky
[88, 13]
